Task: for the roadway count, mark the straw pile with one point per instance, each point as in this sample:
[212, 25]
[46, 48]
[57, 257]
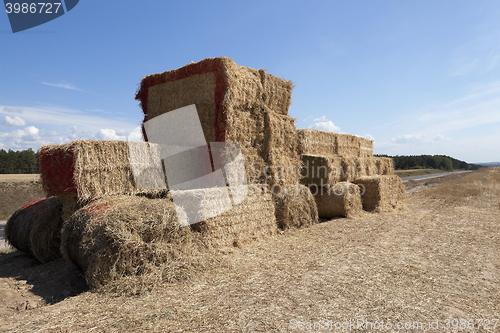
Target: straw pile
[295, 207]
[340, 200]
[316, 142]
[381, 193]
[235, 104]
[130, 242]
[35, 228]
[251, 220]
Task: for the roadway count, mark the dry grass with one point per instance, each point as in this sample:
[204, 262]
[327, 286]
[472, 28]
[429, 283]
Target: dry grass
[437, 259]
[19, 177]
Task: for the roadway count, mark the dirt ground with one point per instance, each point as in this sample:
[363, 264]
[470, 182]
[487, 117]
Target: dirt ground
[436, 259]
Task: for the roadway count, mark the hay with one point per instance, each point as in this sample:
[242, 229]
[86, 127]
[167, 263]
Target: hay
[231, 101]
[35, 229]
[250, 221]
[277, 93]
[357, 167]
[295, 206]
[90, 169]
[316, 142]
[126, 243]
[381, 193]
[321, 170]
[283, 163]
[341, 200]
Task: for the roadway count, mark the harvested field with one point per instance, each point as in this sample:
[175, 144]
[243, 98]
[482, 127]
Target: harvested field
[19, 177]
[16, 194]
[436, 259]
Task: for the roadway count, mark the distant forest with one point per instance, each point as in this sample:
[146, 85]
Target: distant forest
[23, 161]
[430, 162]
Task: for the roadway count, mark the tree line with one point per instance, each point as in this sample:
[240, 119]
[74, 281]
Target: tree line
[22, 161]
[442, 162]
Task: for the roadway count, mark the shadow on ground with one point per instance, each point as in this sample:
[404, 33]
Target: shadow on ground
[52, 282]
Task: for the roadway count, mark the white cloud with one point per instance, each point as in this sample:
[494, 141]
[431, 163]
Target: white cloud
[109, 134]
[15, 121]
[136, 134]
[419, 139]
[323, 118]
[481, 54]
[57, 125]
[369, 137]
[63, 85]
[324, 124]
[440, 137]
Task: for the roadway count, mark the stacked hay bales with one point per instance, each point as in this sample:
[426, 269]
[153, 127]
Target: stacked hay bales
[238, 105]
[340, 200]
[35, 228]
[295, 207]
[381, 193]
[330, 158]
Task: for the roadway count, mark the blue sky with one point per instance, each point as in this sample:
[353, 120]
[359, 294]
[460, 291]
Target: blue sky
[419, 77]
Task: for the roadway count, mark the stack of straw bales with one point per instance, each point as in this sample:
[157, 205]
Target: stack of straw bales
[340, 200]
[238, 105]
[381, 193]
[35, 229]
[329, 159]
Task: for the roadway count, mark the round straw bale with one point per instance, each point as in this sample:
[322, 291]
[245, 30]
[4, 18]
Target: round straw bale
[35, 228]
[118, 238]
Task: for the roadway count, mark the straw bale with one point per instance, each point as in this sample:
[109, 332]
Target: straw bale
[283, 163]
[321, 170]
[365, 147]
[251, 220]
[295, 206]
[381, 193]
[125, 242]
[340, 200]
[90, 169]
[316, 142]
[357, 167]
[385, 166]
[347, 145]
[277, 93]
[35, 229]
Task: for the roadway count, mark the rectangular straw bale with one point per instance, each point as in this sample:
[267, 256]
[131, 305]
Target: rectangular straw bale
[316, 142]
[280, 146]
[277, 93]
[252, 220]
[321, 170]
[385, 166]
[340, 200]
[347, 145]
[365, 166]
[381, 193]
[295, 206]
[88, 169]
[365, 147]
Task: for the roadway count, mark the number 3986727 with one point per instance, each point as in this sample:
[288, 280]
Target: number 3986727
[33, 8]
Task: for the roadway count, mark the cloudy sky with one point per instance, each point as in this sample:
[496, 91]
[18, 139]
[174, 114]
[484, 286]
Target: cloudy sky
[419, 77]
